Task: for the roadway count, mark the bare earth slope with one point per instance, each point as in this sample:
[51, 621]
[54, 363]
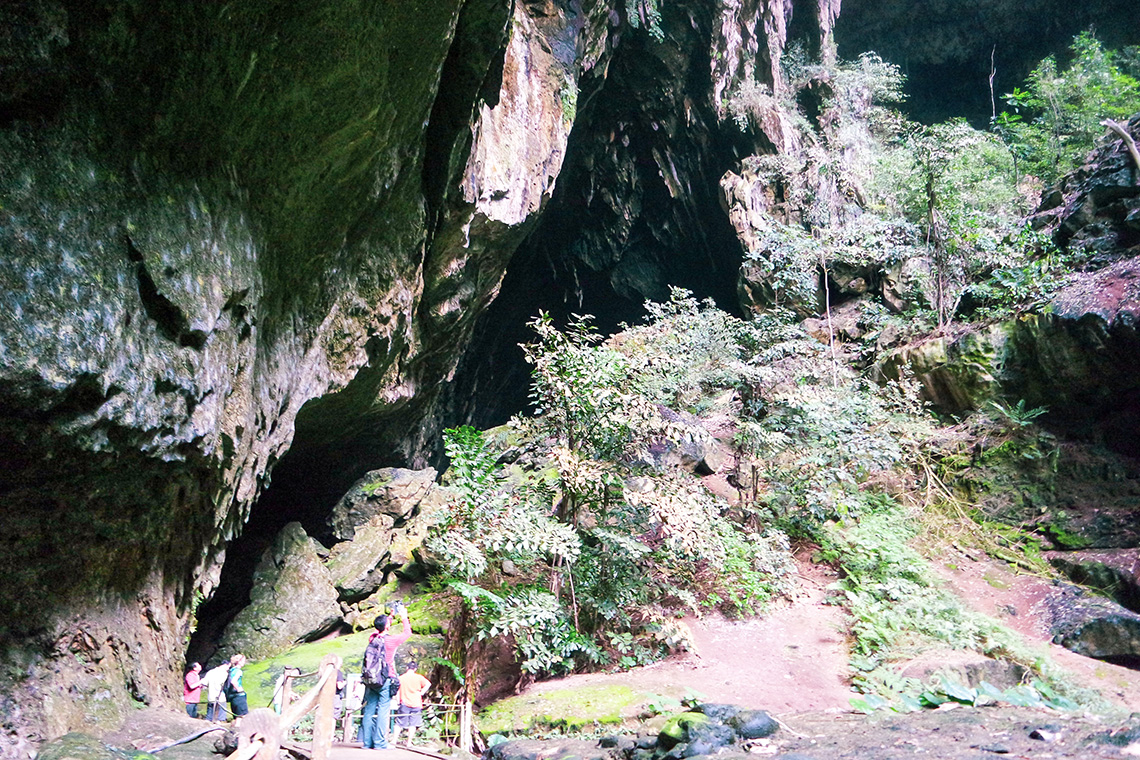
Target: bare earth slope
[793, 659]
[793, 663]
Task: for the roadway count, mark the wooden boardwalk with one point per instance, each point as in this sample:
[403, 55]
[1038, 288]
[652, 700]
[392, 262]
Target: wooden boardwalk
[356, 752]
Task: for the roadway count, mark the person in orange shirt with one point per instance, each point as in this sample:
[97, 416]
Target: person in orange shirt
[409, 714]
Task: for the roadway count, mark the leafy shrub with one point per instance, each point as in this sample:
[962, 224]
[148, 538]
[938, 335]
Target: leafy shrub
[1055, 119]
[608, 540]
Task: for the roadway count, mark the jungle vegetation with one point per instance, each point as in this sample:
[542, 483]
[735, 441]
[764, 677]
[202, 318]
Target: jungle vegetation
[576, 536]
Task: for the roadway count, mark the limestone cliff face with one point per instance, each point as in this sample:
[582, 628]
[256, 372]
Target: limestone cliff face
[638, 206]
[211, 216]
[234, 233]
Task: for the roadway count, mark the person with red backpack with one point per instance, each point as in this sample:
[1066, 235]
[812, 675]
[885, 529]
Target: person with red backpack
[378, 674]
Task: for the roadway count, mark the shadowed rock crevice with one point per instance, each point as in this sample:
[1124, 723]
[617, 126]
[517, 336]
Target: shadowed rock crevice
[171, 322]
[636, 210]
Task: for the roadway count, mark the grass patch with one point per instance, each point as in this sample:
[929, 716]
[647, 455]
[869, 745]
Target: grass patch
[568, 710]
[261, 676]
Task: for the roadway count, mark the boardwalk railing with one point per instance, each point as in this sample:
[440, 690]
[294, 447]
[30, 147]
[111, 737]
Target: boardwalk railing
[262, 732]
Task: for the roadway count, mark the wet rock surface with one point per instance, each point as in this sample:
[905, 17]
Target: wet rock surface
[293, 599]
[1115, 572]
[380, 522]
[391, 494]
[1093, 210]
[968, 733]
[1094, 626]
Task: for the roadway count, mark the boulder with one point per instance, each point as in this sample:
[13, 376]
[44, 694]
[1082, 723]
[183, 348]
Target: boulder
[1094, 626]
[357, 567]
[405, 508]
[407, 540]
[958, 373]
[708, 738]
[292, 599]
[753, 724]
[716, 711]
[964, 667]
[391, 492]
[690, 447]
[845, 324]
[676, 729]
[906, 284]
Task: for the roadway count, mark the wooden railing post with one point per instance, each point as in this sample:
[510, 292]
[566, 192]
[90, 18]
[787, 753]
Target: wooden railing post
[259, 736]
[346, 723]
[325, 723]
[286, 691]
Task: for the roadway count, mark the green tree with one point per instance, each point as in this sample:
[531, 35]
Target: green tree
[1055, 119]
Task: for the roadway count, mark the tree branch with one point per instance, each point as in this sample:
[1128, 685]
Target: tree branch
[1129, 143]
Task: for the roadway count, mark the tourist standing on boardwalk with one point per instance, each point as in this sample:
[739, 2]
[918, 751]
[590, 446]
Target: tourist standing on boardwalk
[234, 688]
[409, 714]
[380, 680]
[192, 689]
[215, 681]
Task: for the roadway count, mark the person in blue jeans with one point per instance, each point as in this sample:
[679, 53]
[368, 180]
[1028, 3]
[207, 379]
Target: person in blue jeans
[378, 699]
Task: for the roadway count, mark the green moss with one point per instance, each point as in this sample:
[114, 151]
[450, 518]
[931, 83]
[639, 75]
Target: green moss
[1062, 537]
[260, 677]
[430, 614]
[566, 709]
[377, 604]
[676, 726]
[381, 482]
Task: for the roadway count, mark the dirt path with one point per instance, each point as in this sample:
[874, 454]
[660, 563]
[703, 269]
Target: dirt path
[791, 660]
[794, 660]
[1018, 601]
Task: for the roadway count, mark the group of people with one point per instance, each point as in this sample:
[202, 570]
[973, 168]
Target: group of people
[222, 684]
[408, 688]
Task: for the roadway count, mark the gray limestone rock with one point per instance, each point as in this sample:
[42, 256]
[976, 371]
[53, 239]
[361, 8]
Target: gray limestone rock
[292, 599]
[1094, 626]
[380, 498]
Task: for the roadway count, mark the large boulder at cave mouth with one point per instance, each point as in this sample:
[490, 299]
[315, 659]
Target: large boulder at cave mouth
[399, 506]
[357, 567]
[292, 599]
[390, 493]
